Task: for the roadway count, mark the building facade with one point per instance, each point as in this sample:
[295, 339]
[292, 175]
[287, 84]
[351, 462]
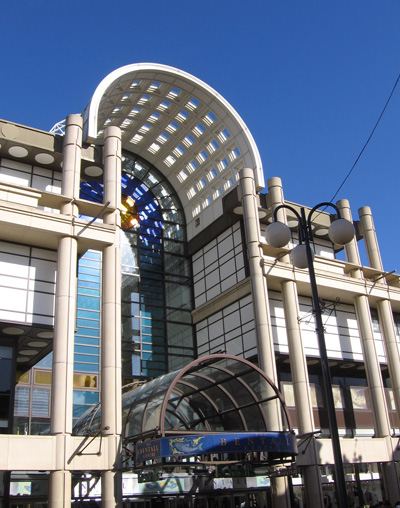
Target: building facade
[133, 242]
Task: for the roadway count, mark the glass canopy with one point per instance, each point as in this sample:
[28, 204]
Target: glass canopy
[219, 409]
[218, 395]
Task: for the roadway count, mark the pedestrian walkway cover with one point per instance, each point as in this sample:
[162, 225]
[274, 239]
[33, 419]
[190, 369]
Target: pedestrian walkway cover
[216, 404]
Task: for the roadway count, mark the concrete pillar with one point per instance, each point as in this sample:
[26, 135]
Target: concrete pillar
[298, 367]
[372, 367]
[72, 149]
[371, 242]
[392, 355]
[111, 390]
[60, 490]
[64, 322]
[351, 249]
[392, 348]
[265, 345]
[384, 307]
[64, 332]
[363, 313]
[389, 336]
[298, 363]
[377, 393]
[112, 173]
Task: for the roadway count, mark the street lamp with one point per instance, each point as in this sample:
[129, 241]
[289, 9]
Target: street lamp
[341, 232]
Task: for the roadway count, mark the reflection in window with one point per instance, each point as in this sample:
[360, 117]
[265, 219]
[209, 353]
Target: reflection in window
[288, 394]
[359, 397]
[337, 397]
[316, 396]
[375, 321]
[85, 381]
[156, 273]
[390, 398]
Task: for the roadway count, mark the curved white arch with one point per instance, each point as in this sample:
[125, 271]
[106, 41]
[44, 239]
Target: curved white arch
[181, 125]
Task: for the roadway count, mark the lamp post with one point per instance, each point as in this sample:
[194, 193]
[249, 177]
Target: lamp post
[341, 232]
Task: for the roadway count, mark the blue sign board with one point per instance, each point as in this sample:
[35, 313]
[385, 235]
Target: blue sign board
[278, 443]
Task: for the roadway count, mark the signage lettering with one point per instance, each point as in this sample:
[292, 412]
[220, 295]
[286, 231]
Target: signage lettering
[282, 443]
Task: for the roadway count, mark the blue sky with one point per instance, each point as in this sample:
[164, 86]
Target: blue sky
[309, 78]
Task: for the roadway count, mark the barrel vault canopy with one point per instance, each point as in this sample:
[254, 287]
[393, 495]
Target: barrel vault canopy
[180, 125]
[216, 393]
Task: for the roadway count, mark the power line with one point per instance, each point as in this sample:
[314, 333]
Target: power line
[368, 140]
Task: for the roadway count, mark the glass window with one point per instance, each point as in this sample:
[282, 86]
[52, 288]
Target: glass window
[180, 335]
[5, 369]
[375, 321]
[47, 362]
[86, 340]
[85, 381]
[91, 303]
[43, 377]
[149, 248]
[288, 394]
[316, 395]
[391, 401]
[86, 367]
[5, 352]
[21, 425]
[40, 402]
[337, 397]
[176, 265]
[91, 332]
[22, 397]
[359, 397]
[22, 377]
[85, 397]
[178, 296]
[79, 410]
[88, 314]
[86, 358]
[87, 350]
[40, 426]
[88, 323]
[136, 365]
[174, 247]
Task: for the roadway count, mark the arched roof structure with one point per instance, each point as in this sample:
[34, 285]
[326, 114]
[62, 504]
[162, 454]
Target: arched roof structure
[180, 125]
[217, 395]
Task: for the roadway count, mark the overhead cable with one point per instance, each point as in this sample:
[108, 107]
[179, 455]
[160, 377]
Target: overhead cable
[368, 140]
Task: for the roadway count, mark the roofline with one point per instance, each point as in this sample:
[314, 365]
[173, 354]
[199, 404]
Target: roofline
[90, 114]
[210, 358]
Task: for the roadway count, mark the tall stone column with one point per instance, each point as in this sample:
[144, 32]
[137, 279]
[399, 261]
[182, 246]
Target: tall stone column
[64, 321]
[265, 344]
[392, 348]
[298, 363]
[370, 239]
[111, 390]
[384, 306]
[364, 320]
[351, 249]
[71, 173]
[385, 314]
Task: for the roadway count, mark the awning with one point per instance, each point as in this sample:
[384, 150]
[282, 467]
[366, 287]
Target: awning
[216, 405]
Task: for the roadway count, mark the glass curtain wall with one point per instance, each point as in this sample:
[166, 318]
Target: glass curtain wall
[157, 334]
[6, 384]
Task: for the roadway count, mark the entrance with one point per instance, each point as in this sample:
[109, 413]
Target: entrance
[21, 503]
[259, 499]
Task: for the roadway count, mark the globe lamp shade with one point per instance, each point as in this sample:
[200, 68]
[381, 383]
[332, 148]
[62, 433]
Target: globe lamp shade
[341, 231]
[299, 256]
[277, 234]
